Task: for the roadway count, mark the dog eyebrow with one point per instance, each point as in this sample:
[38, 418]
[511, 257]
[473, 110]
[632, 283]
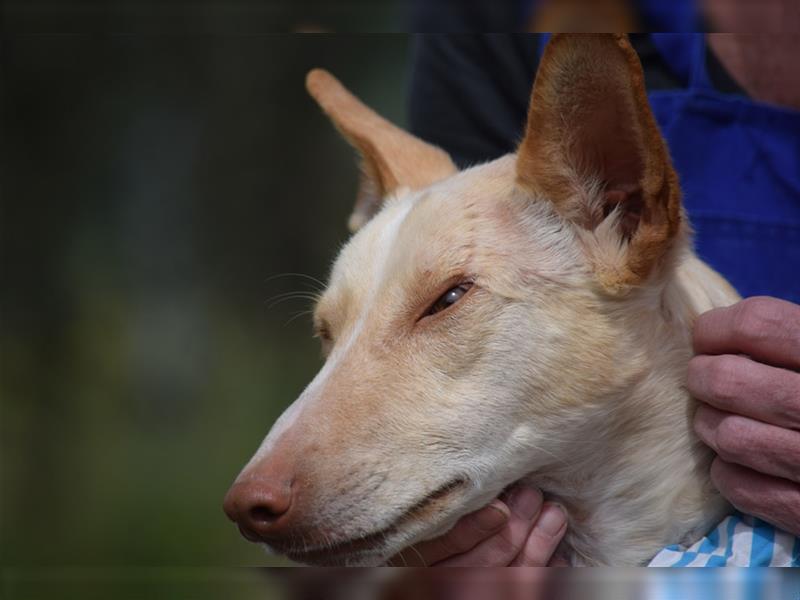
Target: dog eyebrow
[328, 304]
[318, 320]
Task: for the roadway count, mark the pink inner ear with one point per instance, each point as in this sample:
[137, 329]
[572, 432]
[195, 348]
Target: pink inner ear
[628, 200]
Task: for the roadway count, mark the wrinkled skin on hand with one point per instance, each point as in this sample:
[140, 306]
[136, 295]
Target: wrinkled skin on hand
[745, 373]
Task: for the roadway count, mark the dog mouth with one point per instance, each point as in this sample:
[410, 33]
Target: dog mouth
[371, 546]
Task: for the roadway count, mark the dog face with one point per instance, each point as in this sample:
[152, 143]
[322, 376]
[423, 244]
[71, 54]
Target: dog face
[470, 324]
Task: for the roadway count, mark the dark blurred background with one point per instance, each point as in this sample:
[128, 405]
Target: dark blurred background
[156, 191]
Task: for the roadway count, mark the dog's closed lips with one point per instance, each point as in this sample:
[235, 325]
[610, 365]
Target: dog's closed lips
[252, 503]
[261, 512]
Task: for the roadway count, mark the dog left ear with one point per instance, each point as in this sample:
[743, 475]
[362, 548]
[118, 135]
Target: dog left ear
[391, 158]
[592, 147]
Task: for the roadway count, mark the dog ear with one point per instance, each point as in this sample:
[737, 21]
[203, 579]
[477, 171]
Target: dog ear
[592, 147]
[391, 158]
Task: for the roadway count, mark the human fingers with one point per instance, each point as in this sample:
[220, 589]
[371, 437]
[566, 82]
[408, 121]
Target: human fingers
[742, 386]
[502, 548]
[467, 533]
[772, 499]
[767, 329]
[543, 538]
[736, 439]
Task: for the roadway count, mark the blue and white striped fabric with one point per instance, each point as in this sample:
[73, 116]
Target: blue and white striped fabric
[738, 541]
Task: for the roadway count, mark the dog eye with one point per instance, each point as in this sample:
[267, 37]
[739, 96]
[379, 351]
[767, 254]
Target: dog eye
[449, 298]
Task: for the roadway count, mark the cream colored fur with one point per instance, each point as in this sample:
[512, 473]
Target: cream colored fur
[536, 374]
[564, 364]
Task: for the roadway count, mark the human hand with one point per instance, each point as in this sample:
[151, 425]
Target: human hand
[746, 375]
[517, 529]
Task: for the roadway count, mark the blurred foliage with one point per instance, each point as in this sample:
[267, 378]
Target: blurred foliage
[154, 189]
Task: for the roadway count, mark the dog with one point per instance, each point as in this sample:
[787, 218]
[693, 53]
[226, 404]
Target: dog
[524, 319]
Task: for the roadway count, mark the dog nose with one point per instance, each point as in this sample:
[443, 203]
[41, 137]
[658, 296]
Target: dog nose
[257, 505]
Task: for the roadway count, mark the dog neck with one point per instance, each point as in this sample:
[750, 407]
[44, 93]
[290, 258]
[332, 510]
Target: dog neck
[642, 479]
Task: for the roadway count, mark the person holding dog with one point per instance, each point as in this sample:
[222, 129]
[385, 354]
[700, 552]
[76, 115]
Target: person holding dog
[729, 107]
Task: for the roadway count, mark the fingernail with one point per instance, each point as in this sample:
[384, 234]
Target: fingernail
[491, 517]
[525, 501]
[552, 519]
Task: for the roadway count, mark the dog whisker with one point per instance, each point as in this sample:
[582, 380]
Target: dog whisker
[297, 315]
[293, 293]
[314, 280]
[418, 553]
[275, 300]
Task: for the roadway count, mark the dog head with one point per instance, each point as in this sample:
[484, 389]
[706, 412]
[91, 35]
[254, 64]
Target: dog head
[470, 324]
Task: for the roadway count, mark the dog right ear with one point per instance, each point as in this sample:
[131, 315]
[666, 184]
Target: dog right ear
[391, 158]
[593, 149]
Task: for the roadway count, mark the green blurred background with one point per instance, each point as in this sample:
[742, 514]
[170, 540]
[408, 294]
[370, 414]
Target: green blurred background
[154, 189]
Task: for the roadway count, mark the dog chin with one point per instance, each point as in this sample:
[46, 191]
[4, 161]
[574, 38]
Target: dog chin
[372, 550]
